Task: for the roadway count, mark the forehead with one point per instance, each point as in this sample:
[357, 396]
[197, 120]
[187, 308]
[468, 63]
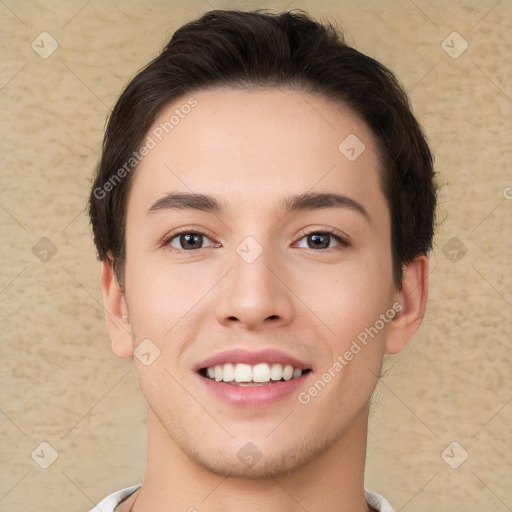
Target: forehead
[256, 145]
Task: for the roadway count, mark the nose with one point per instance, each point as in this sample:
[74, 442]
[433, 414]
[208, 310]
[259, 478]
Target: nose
[255, 295]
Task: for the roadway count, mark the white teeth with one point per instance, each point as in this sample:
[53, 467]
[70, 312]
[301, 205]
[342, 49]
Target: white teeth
[243, 373]
[276, 372]
[259, 373]
[288, 372]
[228, 372]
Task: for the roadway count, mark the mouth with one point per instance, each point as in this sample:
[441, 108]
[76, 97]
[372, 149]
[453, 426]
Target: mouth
[248, 379]
[246, 375]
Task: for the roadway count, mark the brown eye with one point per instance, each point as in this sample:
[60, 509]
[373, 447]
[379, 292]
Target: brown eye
[189, 241]
[321, 240]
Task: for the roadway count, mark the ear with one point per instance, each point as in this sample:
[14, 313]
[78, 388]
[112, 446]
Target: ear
[116, 312]
[413, 298]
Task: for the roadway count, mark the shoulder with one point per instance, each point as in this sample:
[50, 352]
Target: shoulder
[109, 503]
[377, 502]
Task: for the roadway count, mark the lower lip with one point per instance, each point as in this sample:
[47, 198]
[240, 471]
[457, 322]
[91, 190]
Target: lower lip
[253, 396]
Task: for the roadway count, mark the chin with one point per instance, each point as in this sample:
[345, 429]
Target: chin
[249, 463]
[266, 468]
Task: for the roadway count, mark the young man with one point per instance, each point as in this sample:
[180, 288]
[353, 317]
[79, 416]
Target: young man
[263, 209]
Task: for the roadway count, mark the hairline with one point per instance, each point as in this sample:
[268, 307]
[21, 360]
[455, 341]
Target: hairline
[293, 85]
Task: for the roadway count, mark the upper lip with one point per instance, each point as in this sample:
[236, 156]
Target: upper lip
[239, 355]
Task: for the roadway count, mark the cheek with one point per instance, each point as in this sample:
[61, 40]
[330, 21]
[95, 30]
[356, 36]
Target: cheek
[163, 299]
[352, 310]
[350, 297]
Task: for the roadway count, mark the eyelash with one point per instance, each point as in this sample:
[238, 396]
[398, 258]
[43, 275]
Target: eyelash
[342, 241]
[166, 242]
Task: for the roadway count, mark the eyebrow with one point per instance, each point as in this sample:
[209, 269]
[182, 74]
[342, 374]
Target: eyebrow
[305, 201]
[186, 201]
[317, 201]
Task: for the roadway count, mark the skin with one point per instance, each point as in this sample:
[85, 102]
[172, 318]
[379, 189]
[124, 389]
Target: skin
[251, 149]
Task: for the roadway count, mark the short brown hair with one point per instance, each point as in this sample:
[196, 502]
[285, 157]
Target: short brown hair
[256, 49]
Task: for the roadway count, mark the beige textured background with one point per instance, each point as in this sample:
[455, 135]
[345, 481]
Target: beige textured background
[61, 384]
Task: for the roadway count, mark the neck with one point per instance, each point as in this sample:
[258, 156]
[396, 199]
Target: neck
[332, 481]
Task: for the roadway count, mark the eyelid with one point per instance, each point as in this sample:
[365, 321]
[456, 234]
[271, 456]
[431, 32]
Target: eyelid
[166, 241]
[342, 239]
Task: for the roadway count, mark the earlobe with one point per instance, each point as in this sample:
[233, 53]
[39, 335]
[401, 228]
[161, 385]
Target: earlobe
[116, 312]
[413, 299]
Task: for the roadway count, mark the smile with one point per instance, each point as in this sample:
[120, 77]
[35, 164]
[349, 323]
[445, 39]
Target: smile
[240, 374]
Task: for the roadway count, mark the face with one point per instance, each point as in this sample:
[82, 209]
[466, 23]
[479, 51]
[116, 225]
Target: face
[257, 246]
